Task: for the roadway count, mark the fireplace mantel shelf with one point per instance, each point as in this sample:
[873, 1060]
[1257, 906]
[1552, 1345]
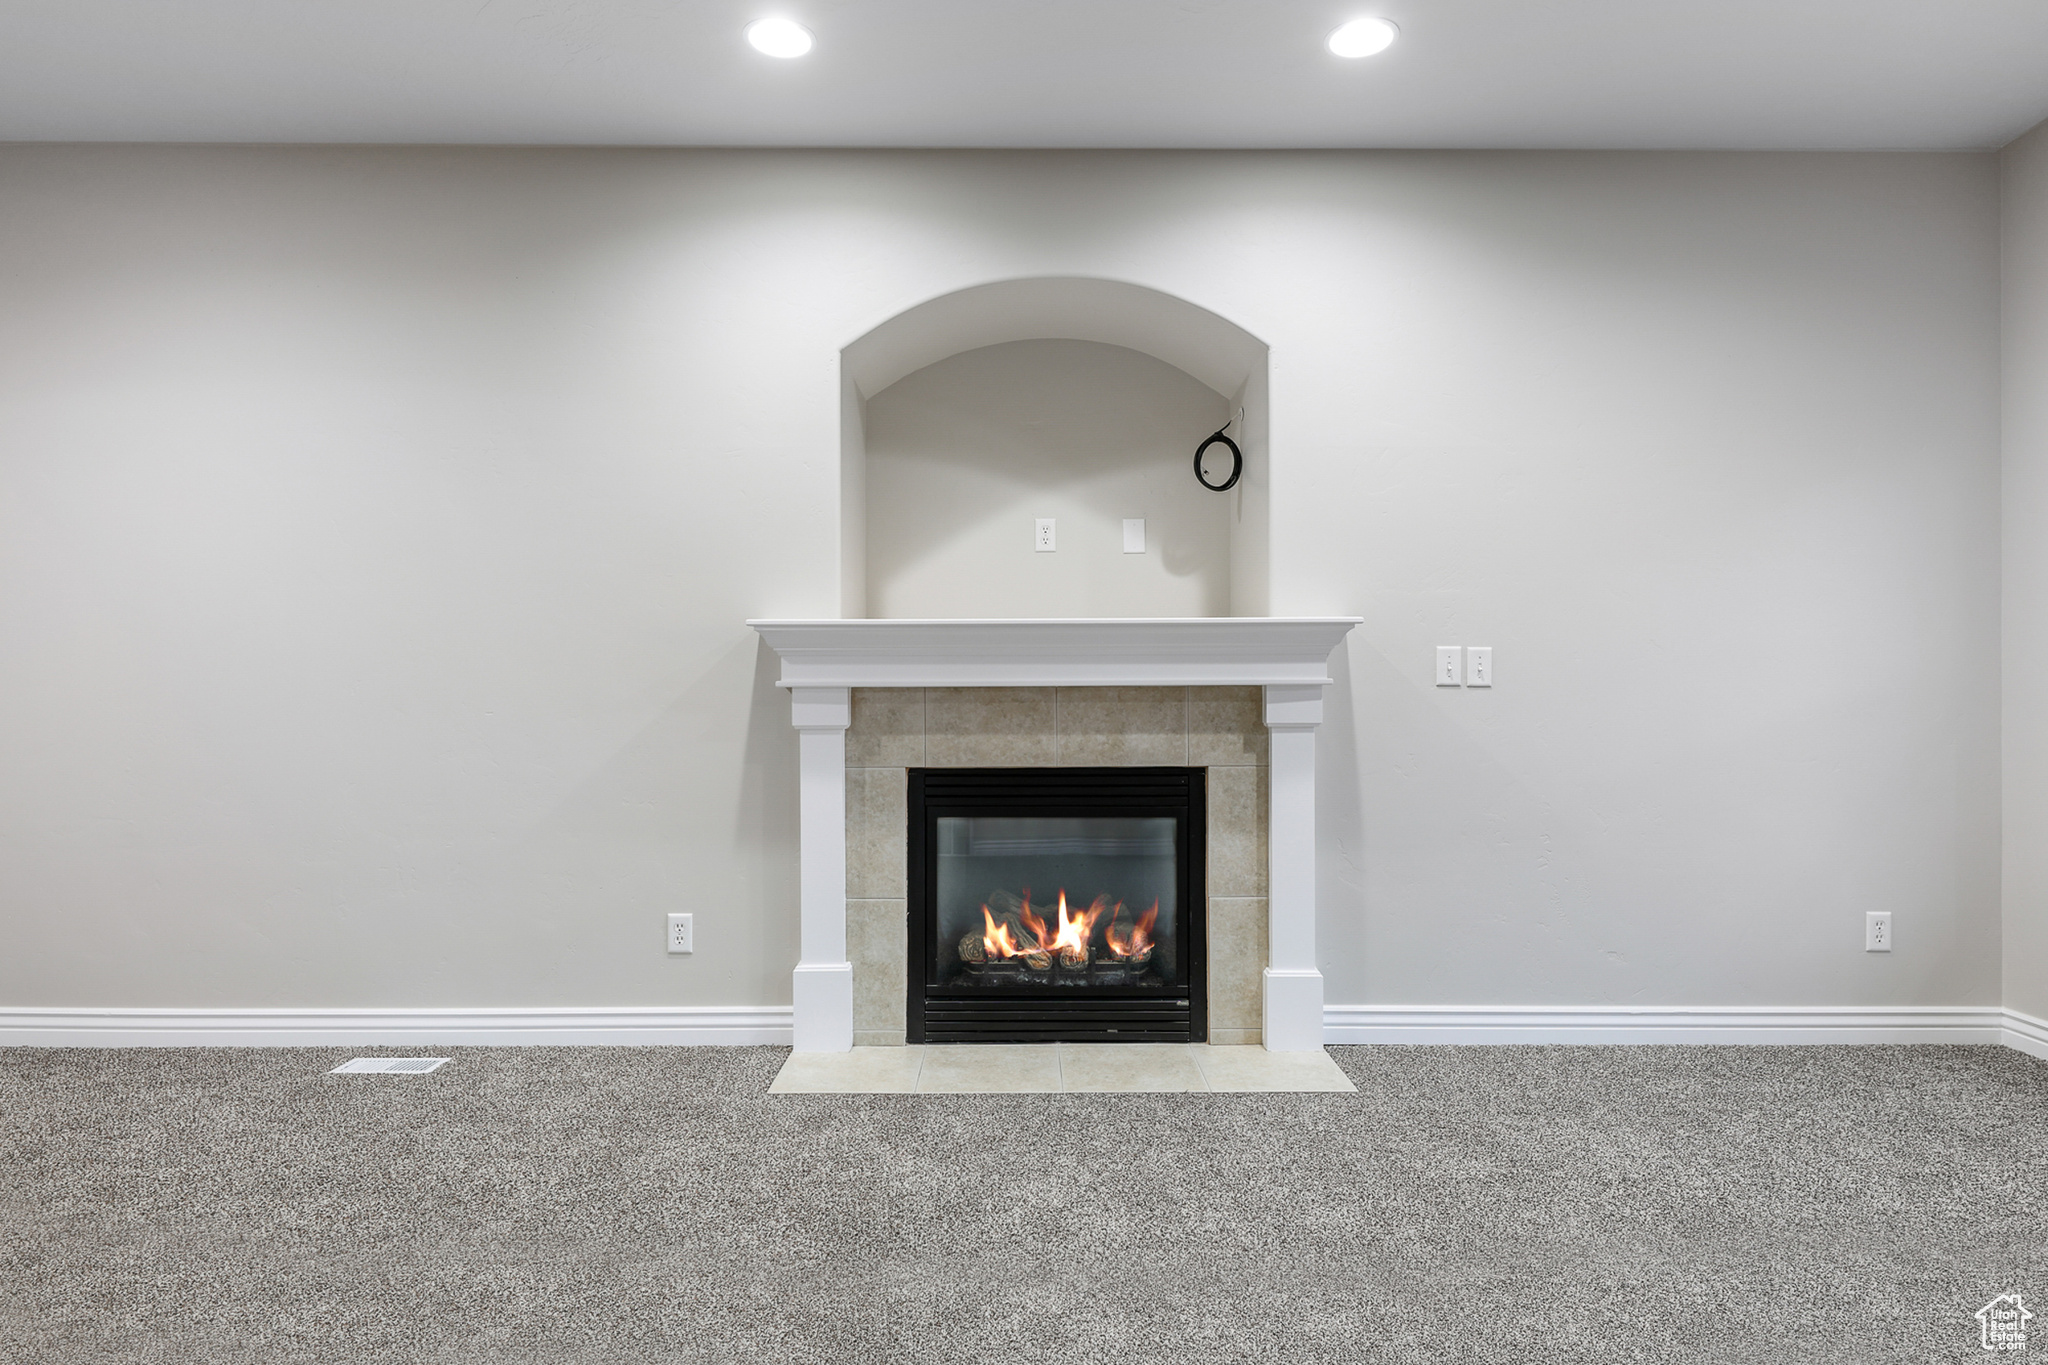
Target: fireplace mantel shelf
[1224, 651]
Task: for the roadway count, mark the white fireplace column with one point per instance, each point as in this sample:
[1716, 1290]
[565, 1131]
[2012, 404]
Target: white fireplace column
[1294, 985]
[822, 990]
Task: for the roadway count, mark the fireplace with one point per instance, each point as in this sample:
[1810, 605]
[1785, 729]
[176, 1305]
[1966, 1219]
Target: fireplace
[1287, 658]
[1056, 904]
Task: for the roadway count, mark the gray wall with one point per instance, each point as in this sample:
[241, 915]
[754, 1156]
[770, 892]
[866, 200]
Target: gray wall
[1705, 449]
[964, 456]
[376, 529]
[2026, 573]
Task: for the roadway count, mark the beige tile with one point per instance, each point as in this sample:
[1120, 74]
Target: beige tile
[994, 1069]
[887, 729]
[877, 943]
[879, 1037]
[1254, 1068]
[877, 814]
[1237, 831]
[1219, 1037]
[863, 1071]
[1226, 727]
[994, 727]
[1237, 963]
[1147, 1067]
[1109, 727]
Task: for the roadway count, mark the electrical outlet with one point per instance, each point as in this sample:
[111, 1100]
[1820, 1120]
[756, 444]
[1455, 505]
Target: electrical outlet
[1450, 666]
[1877, 931]
[679, 935]
[1044, 541]
[1134, 535]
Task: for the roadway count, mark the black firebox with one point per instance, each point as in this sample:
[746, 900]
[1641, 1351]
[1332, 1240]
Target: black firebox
[1051, 904]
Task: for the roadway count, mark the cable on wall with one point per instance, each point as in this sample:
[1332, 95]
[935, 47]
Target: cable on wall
[1236, 458]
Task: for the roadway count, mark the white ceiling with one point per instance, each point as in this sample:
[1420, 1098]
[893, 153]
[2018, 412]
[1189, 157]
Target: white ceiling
[1029, 73]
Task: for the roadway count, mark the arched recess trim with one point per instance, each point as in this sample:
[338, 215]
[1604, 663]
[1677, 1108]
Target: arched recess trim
[1200, 343]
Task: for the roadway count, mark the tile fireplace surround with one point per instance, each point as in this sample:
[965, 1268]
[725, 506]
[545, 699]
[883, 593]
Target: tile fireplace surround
[870, 699]
[898, 728]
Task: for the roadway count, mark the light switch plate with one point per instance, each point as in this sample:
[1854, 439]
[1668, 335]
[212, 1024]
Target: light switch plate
[1134, 535]
[1449, 667]
[1478, 665]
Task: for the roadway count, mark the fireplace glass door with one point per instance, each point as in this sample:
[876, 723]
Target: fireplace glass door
[1055, 903]
[1065, 901]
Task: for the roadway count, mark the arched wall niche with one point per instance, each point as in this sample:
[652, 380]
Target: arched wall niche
[1216, 353]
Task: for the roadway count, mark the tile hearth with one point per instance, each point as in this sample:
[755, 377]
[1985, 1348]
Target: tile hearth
[1044, 1068]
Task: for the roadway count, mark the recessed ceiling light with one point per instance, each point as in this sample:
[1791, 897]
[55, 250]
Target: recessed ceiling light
[1363, 37]
[779, 37]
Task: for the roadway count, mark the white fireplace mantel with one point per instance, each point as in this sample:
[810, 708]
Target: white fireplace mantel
[1223, 651]
[822, 661]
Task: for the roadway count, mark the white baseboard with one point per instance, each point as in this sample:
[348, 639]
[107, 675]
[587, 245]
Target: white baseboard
[2027, 1034]
[745, 1026]
[738, 1026]
[1622, 1024]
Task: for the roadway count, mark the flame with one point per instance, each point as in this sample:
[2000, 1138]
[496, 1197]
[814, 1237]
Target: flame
[1069, 939]
[996, 939]
[1036, 925]
[1137, 942]
[1076, 929]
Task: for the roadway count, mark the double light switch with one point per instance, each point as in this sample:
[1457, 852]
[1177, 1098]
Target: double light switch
[1464, 665]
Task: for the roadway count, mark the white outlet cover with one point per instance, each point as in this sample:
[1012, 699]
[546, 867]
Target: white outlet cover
[1044, 540]
[681, 934]
[1134, 535]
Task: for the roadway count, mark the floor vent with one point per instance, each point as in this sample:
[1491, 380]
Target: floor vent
[388, 1066]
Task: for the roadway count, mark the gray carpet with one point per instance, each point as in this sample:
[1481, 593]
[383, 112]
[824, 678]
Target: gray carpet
[603, 1205]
